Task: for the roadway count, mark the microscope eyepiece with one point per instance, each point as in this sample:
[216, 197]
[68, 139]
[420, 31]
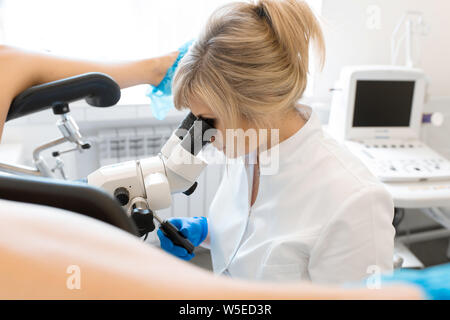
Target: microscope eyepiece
[194, 141]
[185, 125]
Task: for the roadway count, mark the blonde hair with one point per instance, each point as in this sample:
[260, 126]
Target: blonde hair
[251, 60]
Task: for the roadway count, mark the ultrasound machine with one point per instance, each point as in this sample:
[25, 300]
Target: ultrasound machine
[377, 112]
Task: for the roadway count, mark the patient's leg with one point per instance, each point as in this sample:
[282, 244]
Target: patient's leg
[21, 69]
[38, 244]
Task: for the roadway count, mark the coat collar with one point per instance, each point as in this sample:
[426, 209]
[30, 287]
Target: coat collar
[272, 160]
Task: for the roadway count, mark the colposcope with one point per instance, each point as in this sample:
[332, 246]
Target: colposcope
[144, 186]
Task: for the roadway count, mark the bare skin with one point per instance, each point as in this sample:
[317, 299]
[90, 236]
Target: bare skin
[255, 185]
[21, 69]
[38, 244]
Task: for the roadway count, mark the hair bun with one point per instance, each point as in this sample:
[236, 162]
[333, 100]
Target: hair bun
[260, 9]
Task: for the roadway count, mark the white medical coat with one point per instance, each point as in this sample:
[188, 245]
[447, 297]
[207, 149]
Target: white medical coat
[322, 217]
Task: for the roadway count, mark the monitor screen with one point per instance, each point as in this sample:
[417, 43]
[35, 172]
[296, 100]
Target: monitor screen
[383, 103]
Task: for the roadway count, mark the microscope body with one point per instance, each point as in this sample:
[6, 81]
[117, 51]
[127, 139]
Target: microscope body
[153, 180]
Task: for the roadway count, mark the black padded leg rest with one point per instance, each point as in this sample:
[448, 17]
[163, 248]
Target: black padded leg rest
[72, 196]
[98, 89]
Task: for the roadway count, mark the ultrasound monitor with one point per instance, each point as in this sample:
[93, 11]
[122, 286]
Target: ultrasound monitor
[383, 103]
[377, 102]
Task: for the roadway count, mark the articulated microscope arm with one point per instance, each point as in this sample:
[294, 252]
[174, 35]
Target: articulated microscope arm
[144, 186]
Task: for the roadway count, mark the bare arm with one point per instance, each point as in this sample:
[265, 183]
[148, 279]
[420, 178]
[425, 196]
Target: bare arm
[21, 69]
[38, 244]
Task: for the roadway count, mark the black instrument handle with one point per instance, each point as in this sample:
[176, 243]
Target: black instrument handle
[171, 232]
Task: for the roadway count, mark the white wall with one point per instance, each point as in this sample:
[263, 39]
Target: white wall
[349, 40]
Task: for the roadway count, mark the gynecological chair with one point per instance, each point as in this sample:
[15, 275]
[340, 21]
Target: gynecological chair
[39, 185]
[126, 195]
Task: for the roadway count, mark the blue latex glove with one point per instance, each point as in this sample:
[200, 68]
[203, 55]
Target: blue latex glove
[434, 281]
[194, 229]
[161, 96]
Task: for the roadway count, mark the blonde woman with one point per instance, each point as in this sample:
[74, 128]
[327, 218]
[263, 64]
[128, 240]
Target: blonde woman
[319, 215]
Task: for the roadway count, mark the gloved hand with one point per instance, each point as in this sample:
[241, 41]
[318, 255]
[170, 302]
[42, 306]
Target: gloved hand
[161, 95]
[194, 229]
[434, 281]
